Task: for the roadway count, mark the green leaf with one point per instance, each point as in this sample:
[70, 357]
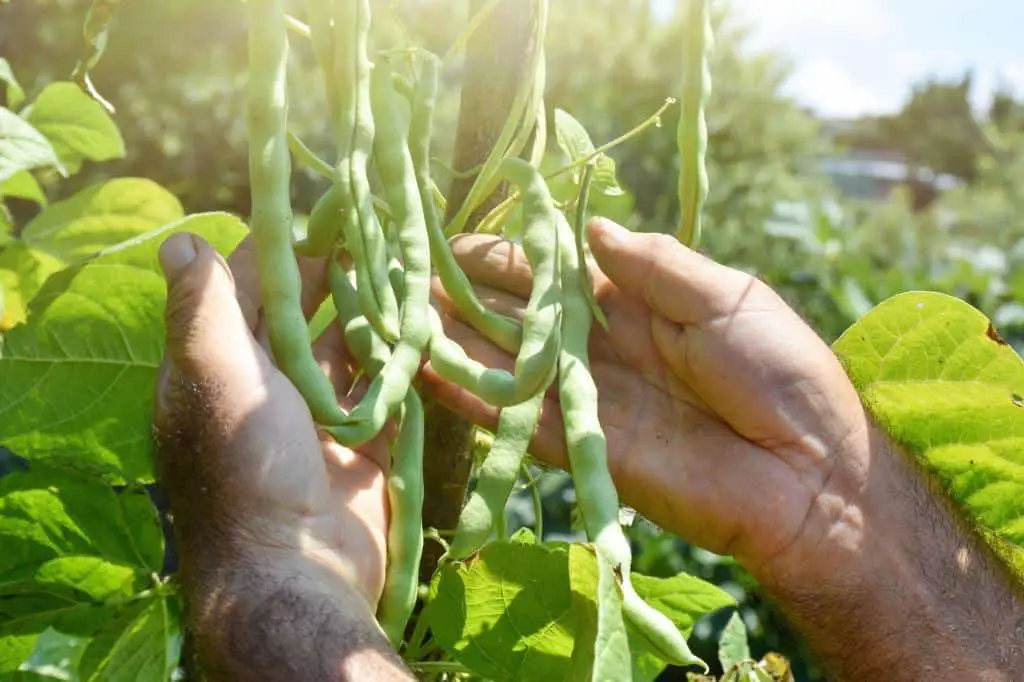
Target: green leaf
[102, 216]
[75, 538]
[77, 379]
[143, 644]
[683, 598]
[55, 656]
[945, 386]
[575, 143]
[23, 185]
[15, 93]
[506, 613]
[732, 646]
[24, 619]
[23, 270]
[79, 127]
[520, 611]
[22, 147]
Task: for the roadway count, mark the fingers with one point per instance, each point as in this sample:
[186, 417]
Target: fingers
[494, 262]
[208, 337]
[548, 442]
[674, 281]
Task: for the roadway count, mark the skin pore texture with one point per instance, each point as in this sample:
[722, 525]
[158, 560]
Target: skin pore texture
[728, 420]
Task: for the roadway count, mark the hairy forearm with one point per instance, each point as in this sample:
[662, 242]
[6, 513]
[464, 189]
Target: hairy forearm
[256, 623]
[913, 594]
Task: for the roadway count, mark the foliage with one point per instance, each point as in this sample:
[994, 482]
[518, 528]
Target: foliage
[81, 301]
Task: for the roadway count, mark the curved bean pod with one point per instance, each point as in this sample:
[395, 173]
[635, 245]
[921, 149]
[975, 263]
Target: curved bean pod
[389, 388]
[503, 331]
[588, 457]
[355, 137]
[367, 347]
[271, 221]
[324, 226]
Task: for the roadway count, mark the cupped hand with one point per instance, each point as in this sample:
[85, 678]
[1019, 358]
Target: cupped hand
[247, 475]
[728, 420]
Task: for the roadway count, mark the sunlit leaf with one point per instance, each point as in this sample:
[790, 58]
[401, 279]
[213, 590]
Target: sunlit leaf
[732, 646]
[55, 656]
[77, 380]
[521, 611]
[944, 385]
[79, 127]
[22, 147]
[23, 185]
[143, 644]
[101, 216]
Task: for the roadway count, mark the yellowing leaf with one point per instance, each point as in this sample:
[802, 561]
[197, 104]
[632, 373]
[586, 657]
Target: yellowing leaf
[944, 385]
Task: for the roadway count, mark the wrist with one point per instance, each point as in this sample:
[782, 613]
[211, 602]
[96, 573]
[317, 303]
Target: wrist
[887, 577]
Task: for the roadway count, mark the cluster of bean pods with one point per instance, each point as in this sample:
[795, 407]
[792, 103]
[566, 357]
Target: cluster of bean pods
[380, 284]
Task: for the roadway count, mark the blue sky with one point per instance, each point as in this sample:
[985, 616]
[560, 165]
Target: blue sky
[861, 56]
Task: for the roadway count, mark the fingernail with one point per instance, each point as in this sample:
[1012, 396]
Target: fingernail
[177, 252]
[608, 231]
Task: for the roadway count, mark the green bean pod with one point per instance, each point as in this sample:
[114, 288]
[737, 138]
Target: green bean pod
[325, 225]
[494, 386]
[505, 332]
[516, 424]
[405, 529]
[389, 388]
[355, 134]
[364, 343]
[692, 135]
[497, 475]
[271, 221]
[588, 458]
[405, 476]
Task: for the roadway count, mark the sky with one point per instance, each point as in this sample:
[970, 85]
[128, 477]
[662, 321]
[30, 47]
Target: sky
[854, 57]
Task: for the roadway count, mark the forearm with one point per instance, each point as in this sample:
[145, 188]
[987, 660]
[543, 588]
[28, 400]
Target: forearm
[912, 593]
[251, 622]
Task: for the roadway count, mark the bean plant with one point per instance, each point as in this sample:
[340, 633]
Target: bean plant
[85, 590]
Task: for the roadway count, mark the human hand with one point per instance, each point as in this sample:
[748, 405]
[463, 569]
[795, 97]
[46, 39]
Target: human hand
[728, 420]
[248, 478]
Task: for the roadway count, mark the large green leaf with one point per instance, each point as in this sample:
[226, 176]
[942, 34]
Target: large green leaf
[55, 656]
[78, 227]
[143, 644]
[77, 380]
[522, 611]
[22, 147]
[75, 538]
[506, 613]
[941, 381]
[100, 217]
[78, 126]
[25, 618]
[23, 270]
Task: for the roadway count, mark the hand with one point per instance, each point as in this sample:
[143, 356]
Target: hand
[248, 478]
[728, 420]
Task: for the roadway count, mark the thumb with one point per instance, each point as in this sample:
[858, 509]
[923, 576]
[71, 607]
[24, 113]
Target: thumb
[675, 281]
[208, 339]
